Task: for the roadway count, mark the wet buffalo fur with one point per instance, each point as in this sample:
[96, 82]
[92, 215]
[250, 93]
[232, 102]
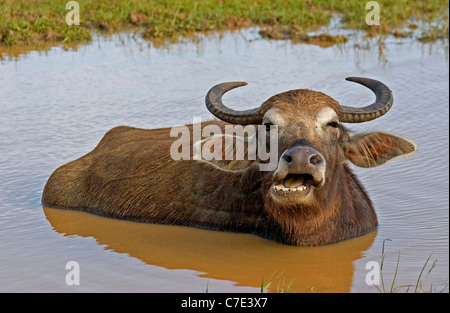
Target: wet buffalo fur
[130, 175]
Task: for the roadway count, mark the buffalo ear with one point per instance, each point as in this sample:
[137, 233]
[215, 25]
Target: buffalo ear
[376, 148]
[227, 152]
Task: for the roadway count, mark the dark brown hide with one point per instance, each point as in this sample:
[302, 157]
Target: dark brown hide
[131, 175]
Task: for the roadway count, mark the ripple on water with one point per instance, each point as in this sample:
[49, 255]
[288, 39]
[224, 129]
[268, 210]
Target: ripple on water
[56, 106]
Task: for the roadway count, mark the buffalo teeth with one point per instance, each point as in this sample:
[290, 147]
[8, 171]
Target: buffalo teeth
[281, 188]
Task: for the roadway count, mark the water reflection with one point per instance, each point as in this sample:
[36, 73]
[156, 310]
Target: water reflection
[56, 105]
[241, 258]
[358, 41]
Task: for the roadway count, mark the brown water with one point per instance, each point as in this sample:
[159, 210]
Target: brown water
[56, 105]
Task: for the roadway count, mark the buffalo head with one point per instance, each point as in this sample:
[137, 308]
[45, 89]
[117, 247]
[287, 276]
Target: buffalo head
[312, 182]
[309, 197]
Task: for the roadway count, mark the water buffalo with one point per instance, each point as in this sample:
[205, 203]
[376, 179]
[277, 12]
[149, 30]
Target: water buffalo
[310, 198]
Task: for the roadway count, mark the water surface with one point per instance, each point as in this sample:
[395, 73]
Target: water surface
[56, 105]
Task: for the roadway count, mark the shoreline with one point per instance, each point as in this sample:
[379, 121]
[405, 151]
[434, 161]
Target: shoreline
[37, 25]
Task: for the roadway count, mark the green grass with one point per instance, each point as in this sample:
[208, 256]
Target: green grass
[281, 286]
[24, 22]
[418, 287]
[385, 287]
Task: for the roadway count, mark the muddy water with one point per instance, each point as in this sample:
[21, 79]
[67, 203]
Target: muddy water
[56, 105]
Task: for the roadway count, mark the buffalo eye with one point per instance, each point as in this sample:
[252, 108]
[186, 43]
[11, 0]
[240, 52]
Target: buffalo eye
[333, 124]
[268, 126]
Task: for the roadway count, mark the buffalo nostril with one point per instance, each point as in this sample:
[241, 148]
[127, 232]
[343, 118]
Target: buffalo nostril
[315, 160]
[287, 158]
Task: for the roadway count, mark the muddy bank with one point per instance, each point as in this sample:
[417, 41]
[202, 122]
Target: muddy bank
[34, 24]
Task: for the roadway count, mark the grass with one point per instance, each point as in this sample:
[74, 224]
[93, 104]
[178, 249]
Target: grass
[24, 22]
[418, 287]
[280, 288]
[384, 287]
